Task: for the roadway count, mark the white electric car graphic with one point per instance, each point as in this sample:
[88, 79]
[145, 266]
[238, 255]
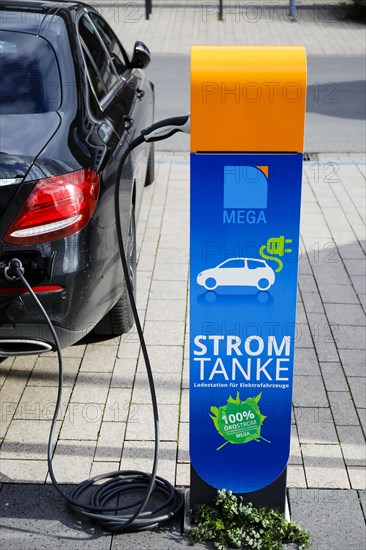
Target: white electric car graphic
[238, 272]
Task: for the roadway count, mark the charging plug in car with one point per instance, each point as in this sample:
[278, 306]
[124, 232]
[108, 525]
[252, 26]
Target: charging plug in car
[35, 267]
[10, 270]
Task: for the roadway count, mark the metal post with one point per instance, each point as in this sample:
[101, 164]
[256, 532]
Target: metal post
[148, 8]
[292, 10]
[221, 11]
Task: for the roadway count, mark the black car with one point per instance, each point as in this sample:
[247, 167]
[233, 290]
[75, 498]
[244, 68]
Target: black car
[70, 101]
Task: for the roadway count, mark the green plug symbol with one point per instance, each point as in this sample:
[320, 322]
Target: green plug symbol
[275, 246]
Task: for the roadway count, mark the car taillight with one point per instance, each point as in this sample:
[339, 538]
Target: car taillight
[37, 289]
[55, 208]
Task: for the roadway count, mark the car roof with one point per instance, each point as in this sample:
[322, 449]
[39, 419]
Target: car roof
[13, 22]
[32, 5]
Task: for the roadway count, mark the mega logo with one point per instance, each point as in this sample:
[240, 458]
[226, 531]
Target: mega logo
[245, 194]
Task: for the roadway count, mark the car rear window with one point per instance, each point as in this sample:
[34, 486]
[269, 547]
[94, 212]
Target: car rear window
[29, 77]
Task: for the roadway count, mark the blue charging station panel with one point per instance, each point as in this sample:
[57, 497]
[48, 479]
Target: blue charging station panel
[245, 215]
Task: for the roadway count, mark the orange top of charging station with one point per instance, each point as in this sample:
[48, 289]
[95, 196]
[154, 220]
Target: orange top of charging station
[248, 98]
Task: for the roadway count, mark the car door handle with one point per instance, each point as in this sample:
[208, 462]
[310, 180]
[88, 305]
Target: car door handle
[140, 93]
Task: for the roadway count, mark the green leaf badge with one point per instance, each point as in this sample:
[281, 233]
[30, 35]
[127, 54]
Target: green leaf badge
[239, 421]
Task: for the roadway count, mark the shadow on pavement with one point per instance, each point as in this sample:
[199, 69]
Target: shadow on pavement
[339, 99]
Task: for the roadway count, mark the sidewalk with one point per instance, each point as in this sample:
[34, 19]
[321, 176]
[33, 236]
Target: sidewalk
[323, 27]
[107, 421]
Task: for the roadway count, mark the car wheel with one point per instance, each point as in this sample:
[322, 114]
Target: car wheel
[150, 173]
[263, 284]
[120, 319]
[210, 283]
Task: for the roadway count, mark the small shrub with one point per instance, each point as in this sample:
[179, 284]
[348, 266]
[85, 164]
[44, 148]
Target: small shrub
[230, 523]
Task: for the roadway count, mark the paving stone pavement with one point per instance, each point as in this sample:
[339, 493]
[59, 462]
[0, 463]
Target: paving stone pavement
[322, 27]
[106, 419]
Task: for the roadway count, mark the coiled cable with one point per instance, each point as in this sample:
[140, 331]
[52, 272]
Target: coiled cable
[120, 484]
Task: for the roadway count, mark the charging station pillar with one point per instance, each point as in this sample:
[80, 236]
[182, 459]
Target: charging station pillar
[247, 135]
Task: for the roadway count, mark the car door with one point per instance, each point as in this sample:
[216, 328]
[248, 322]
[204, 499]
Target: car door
[106, 83]
[255, 270]
[135, 94]
[231, 272]
[109, 104]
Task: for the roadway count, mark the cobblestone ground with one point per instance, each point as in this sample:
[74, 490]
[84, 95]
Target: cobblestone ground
[107, 420]
[322, 27]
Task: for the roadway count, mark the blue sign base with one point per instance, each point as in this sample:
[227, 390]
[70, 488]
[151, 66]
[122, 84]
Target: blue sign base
[272, 496]
[245, 215]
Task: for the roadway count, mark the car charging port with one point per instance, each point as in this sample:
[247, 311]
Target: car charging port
[35, 267]
[10, 270]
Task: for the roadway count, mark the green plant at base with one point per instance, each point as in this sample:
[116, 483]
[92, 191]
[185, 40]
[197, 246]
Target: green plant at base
[230, 523]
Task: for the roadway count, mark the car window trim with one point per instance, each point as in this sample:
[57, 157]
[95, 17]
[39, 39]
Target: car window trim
[126, 59]
[110, 62]
[86, 51]
[121, 80]
[113, 92]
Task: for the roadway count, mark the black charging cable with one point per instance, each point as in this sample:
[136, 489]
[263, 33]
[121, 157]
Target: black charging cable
[121, 484]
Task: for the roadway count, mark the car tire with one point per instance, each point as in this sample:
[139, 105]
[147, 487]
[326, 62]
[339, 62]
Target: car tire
[263, 284]
[150, 172]
[120, 319]
[210, 283]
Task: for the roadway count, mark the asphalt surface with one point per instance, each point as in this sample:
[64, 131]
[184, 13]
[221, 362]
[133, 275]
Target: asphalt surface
[336, 101]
